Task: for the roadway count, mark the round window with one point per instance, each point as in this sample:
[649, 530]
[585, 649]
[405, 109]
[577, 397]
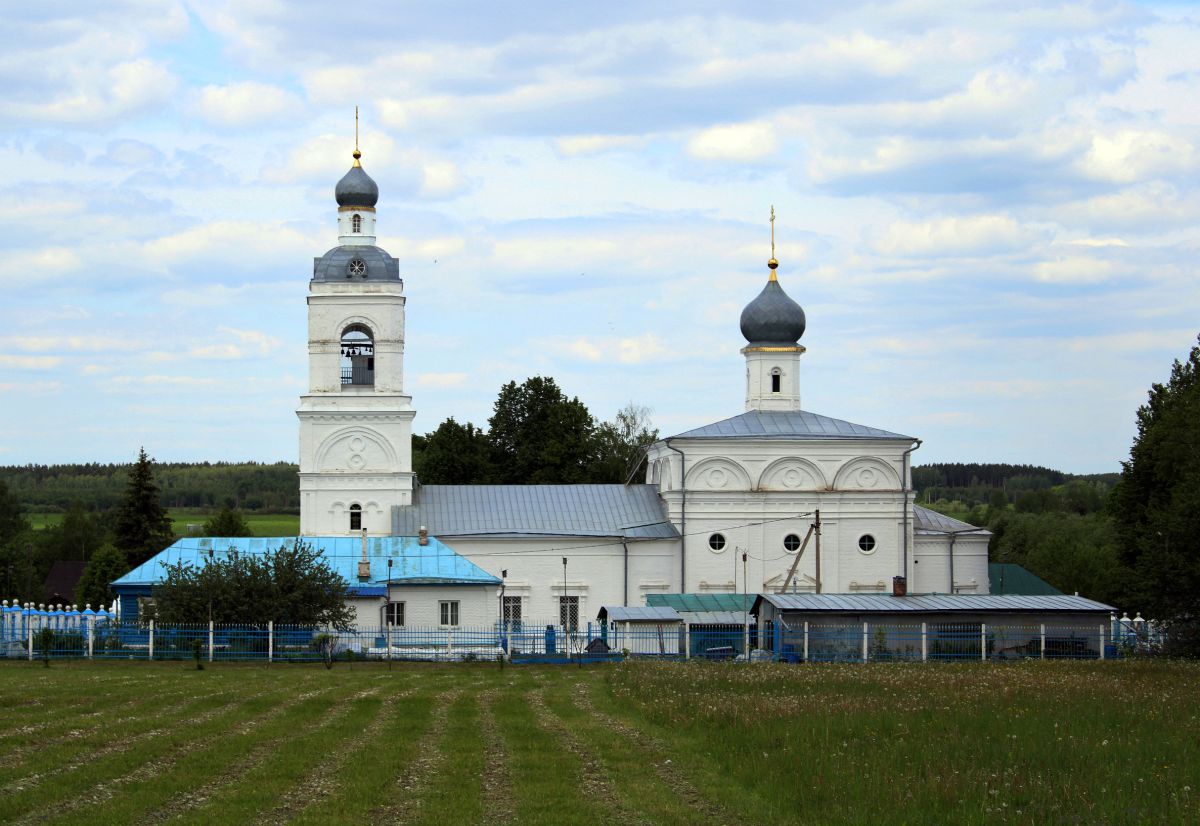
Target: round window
[717, 542]
[866, 543]
[791, 543]
[357, 267]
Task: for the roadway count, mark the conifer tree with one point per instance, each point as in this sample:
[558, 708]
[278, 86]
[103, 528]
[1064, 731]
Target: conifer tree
[106, 565]
[142, 527]
[229, 522]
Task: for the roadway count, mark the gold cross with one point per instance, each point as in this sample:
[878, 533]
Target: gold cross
[772, 230]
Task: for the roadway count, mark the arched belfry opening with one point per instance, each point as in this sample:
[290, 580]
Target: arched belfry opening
[358, 356]
[356, 223]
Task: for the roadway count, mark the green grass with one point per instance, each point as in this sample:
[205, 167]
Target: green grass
[263, 524]
[681, 743]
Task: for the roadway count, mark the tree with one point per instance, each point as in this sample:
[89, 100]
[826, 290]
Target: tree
[620, 449]
[1156, 504]
[12, 522]
[142, 527]
[539, 436]
[228, 522]
[16, 559]
[455, 454]
[107, 564]
[293, 585]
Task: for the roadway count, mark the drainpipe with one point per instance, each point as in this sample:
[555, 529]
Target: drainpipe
[682, 517]
[625, 545]
[904, 487]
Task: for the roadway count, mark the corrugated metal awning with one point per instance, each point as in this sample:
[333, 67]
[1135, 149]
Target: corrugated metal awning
[623, 613]
[931, 603]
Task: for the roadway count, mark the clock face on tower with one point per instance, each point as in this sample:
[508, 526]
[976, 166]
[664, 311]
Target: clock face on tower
[357, 267]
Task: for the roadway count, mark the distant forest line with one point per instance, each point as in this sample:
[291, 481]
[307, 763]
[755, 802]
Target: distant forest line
[274, 487]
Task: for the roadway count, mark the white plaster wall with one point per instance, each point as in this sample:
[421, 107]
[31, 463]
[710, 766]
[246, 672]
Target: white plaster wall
[478, 605]
[346, 234]
[334, 307]
[932, 569]
[759, 368]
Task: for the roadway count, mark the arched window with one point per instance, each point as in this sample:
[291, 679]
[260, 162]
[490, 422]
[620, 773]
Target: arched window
[356, 223]
[356, 517]
[776, 377]
[358, 356]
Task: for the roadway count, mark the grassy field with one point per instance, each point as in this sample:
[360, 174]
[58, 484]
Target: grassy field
[1034, 742]
[263, 524]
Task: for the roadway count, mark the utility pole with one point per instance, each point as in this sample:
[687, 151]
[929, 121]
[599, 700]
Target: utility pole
[817, 549]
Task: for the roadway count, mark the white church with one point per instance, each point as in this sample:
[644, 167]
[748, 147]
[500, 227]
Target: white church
[774, 500]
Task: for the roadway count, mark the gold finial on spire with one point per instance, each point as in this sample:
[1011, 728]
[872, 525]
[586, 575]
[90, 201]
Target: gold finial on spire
[357, 154]
[773, 264]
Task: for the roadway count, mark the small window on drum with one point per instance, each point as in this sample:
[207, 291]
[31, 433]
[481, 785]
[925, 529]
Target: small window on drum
[866, 543]
[356, 269]
[356, 223]
[717, 542]
[776, 378]
[791, 543]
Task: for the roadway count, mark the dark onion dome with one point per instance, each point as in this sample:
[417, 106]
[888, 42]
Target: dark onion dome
[772, 319]
[356, 188]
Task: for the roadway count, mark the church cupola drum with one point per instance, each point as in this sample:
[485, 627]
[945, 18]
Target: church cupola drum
[355, 419]
[772, 324]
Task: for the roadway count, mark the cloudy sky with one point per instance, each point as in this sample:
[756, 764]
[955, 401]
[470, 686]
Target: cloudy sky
[988, 211]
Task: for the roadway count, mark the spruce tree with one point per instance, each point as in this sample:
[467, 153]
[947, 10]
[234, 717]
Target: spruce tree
[142, 527]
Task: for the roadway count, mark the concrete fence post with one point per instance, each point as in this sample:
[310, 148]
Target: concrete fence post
[865, 641]
[778, 641]
[1102, 642]
[210, 641]
[29, 626]
[151, 648]
[387, 630]
[806, 640]
[746, 640]
[449, 642]
[270, 640]
[983, 640]
[687, 640]
[924, 642]
[1042, 647]
[91, 629]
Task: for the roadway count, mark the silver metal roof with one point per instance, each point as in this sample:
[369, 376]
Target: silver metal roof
[787, 424]
[772, 318]
[882, 603]
[334, 265]
[628, 511]
[622, 613]
[930, 522]
[714, 617]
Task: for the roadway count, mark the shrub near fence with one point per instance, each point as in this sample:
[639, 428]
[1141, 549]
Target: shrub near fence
[548, 642]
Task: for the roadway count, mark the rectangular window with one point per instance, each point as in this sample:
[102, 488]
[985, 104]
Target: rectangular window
[394, 613]
[512, 613]
[448, 610]
[775, 383]
[568, 612]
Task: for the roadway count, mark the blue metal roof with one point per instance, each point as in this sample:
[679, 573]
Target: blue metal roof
[412, 562]
[882, 603]
[702, 602]
[787, 424]
[627, 511]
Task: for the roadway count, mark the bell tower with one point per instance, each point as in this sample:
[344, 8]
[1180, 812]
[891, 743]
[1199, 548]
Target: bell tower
[355, 419]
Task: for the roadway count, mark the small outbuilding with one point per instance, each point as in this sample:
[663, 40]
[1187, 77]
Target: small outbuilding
[643, 631]
[960, 626]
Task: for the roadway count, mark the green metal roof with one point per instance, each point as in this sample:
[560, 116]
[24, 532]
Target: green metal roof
[1008, 578]
[702, 602]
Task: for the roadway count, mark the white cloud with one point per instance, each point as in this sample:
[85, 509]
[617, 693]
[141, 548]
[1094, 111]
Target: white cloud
[111, 93]
[24, 267]
[582, 145]
[30, 362]
[441, 379]
[971, 235]
[630, 350]
[234, 242]
[1132, 155]
[246, 103]
[740, 142]
[1073, 270]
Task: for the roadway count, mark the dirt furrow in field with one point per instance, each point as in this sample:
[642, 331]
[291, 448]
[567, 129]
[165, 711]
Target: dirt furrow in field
[160, 765]
[89, 757]
[414, 779]
[83, 711]
[318, 784]
[200, 795]
[497, 780]
[593, 779]
[667, 770]
[20, 753]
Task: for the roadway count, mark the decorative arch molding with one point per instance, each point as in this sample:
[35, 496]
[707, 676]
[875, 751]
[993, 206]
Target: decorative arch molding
[349, 321]
[357, 449]
[792, 473]
[866, 473]
[717, 473]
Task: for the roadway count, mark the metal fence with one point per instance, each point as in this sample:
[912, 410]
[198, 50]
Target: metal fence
[29, 638]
